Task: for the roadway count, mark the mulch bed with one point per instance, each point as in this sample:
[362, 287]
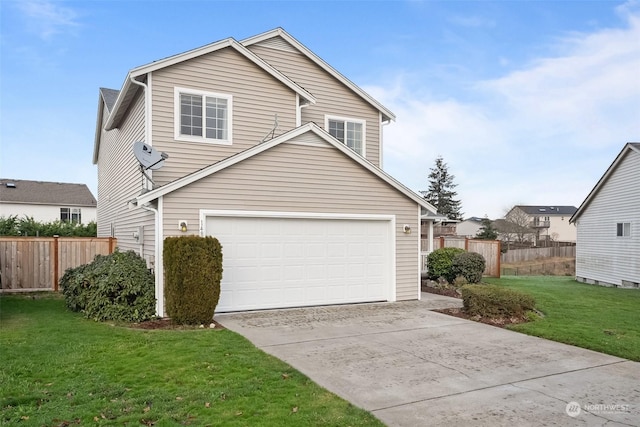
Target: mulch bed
[459, 312]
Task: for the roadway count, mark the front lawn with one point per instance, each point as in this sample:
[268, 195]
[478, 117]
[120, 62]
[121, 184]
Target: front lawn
[595, 317]
[57, 368]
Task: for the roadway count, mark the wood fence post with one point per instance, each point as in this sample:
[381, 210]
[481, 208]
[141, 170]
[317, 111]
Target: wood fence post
[112, 244]
[499, 257]
[466, 244]
[55, 262]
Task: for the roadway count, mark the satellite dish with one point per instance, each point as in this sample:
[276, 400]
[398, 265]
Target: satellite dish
[148, 157]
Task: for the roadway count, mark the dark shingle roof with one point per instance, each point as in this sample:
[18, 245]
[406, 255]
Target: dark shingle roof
[548, 210]
[109, 96]
[47, 193]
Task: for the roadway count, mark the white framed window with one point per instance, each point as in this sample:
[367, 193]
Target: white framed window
[623, 229]
[351, 132]
[71, 215]
[202, 116]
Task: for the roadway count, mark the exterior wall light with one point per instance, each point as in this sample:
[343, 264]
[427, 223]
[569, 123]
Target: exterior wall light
[182, 226]
[406, 229]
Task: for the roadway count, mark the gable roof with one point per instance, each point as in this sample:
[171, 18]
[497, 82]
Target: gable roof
[106, 98]
[279, 32]
[129, 89]
[109, 96]
[45, 193]
[257, 149]
[626, 150]
[547, 209]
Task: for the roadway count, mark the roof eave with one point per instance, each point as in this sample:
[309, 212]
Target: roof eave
[596, 188]
[387, 115]
[223, 164]
[136, 73]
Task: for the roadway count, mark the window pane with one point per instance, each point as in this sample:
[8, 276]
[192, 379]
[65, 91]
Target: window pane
[216, 118]
[190, 114]
[64, 214]
[354, 136]
[336, 129]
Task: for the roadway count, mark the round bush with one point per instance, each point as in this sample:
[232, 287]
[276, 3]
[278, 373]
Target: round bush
[469, 265]
[193, 270]
[113, 287]
[439, 263]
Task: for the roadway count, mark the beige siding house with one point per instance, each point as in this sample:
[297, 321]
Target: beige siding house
[547, 221]
[274, 153]
[608, 225]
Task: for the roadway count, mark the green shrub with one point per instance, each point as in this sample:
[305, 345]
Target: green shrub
[193, 270]
[439, 263]
[469, 265]
[113, 287]
[27, 226]
[495, 302]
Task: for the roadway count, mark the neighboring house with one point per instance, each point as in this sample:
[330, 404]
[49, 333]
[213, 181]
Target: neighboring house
[469, 227]
[550, 222]
[608, 225]
[47, 201]
[276, 154]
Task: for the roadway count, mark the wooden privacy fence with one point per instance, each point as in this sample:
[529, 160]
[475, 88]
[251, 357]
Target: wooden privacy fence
[489, 249]
[37, 263]
[530, 254]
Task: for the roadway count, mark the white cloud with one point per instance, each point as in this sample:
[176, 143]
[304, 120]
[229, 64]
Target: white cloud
[542, 134]
[47, 18]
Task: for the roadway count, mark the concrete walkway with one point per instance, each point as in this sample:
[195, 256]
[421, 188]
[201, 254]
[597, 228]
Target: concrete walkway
[410, 366]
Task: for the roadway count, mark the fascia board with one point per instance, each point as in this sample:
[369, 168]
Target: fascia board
[601, 181]
[320, 62]
[194, 53]
[223, 164]
[179, 183]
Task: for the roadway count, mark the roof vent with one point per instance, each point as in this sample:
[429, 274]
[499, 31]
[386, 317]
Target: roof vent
[542, 209]
[10, 185]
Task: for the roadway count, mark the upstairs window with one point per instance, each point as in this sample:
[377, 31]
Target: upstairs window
[202, 116]
[351, 132]
[623, 229]
[70, 215]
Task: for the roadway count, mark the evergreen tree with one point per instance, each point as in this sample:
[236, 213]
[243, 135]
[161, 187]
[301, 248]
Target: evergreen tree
[487, 231]
[441, 192]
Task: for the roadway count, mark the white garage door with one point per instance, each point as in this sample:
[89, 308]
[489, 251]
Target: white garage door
[274, 262]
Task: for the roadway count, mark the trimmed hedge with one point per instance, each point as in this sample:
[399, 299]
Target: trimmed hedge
[113, 287]
[193, 270]
[495, 302]
[469, 265]
[439, 263]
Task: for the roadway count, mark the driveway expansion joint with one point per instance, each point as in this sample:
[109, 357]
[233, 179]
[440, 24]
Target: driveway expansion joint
[513, 384]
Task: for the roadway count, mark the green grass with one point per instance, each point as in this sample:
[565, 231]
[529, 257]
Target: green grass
[594, 317]
[57, 368]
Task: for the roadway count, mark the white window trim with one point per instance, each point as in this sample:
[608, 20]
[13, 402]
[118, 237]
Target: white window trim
[176, 116]
[352, 120]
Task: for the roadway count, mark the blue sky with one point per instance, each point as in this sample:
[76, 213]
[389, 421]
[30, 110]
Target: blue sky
[528, 102]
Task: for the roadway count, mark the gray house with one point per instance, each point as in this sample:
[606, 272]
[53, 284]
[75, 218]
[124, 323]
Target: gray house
[608, 225]
[275, 153]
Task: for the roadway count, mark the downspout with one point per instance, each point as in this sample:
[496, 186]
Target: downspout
[159, 292]
[147, 137]
[156, 269]
[383, 123]
[301, 105]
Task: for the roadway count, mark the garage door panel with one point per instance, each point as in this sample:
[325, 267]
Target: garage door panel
[287, 262]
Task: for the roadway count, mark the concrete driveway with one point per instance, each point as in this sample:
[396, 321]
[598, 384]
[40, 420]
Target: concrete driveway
[410, 366]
